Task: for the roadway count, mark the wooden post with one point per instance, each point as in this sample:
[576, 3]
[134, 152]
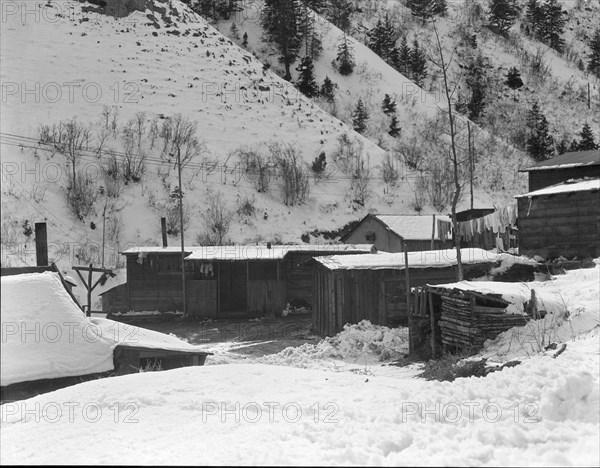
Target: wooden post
[182, 234]
[41, 244]
[89, 295]
[471, 161]
[432, 318]
[163, 227]
[407, 282]
[103, 231]
[433, 234]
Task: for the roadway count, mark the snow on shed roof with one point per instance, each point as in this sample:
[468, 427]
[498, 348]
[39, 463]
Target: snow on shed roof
[517, 294]
[276, 252]
[412, 227]
[46, 336]
[395, 261]
[564, 161]
[565, 187]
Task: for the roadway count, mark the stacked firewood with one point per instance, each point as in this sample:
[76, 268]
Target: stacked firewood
[466, 323]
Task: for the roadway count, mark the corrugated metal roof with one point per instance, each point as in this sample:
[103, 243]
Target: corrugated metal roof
[567, 160]
[565, 187]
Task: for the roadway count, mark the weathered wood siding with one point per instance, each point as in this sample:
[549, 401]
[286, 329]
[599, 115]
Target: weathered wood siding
[155, 284]
[201, 296]
[544, 178]
[387, 240]
[561, 224]
[349, 296]
[266, 296]
[116, 299]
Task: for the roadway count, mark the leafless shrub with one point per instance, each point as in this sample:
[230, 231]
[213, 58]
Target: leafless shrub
[420, 193]
[114, 226]
[293, 172]
[37, 192]
[82, 195]
[347, 153]
[171, 210]
[133, 163]
[389, 173]
[246, 208]
[217, 219]
[153, 132]
[101, 137]
[440, 188]
[361, 178]
[411, 152]
[256, 167]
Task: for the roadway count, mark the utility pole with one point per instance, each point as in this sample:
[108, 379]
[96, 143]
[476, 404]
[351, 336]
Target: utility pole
[103, 231]
[181, 230]
[471, 161]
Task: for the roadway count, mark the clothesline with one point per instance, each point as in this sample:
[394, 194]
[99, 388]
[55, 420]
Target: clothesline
[497, 222]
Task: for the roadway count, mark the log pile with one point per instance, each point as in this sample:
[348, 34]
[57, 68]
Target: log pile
[468, 318]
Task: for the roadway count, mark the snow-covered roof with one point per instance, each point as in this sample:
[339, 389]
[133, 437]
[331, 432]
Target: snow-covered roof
[567, 160]
[516, 294]
[276, 252]
[395, 261]
[565, 187]
[46, 336]
[154, 249]
[412, 227]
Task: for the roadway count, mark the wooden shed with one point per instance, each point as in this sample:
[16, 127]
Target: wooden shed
[389, 233]
[573, 165]
[348, 289]
[221, 281]
[561, 220]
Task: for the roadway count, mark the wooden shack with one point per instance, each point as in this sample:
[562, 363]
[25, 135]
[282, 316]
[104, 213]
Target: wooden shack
[561, 220]
[348, 289]
[573, 165]
[389, 233]
[221, 281]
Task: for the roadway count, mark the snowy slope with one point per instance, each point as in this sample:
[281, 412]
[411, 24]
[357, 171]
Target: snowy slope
[544, 411]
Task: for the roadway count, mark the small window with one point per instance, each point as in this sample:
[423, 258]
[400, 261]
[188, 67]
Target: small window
[370, 236]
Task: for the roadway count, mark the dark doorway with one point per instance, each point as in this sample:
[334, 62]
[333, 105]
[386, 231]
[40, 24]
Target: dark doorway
[233, 284]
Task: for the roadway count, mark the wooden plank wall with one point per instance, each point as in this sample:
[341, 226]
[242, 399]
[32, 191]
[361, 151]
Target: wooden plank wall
[563, 224]
[349, 296]
[545, 178]
[266, 296]
[201, 296]
[116, 299]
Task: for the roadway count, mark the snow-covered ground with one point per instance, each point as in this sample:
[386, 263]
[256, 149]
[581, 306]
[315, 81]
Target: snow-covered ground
[316, 404]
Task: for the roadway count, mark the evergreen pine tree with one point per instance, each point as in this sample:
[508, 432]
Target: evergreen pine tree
[394, 130]
[245, 40]
[418, 64]
[328, 89]
[534, 16]
[339, 12]
[403, 62]
[513, 79]
[477, 83]
[540, 142]
[389, 105]
[234, 31]
[307, 25]
[587, 141]
[594, 56]
[503, 14]
[280, 19]
[345, 56]
[382, 39]
[427, 9]
[306, 79]
[360, 117]
[553, 24]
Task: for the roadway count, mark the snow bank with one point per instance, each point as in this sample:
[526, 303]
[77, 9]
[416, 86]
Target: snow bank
[44, 334]
[362, 342]
[572, 301]
[257, 414]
